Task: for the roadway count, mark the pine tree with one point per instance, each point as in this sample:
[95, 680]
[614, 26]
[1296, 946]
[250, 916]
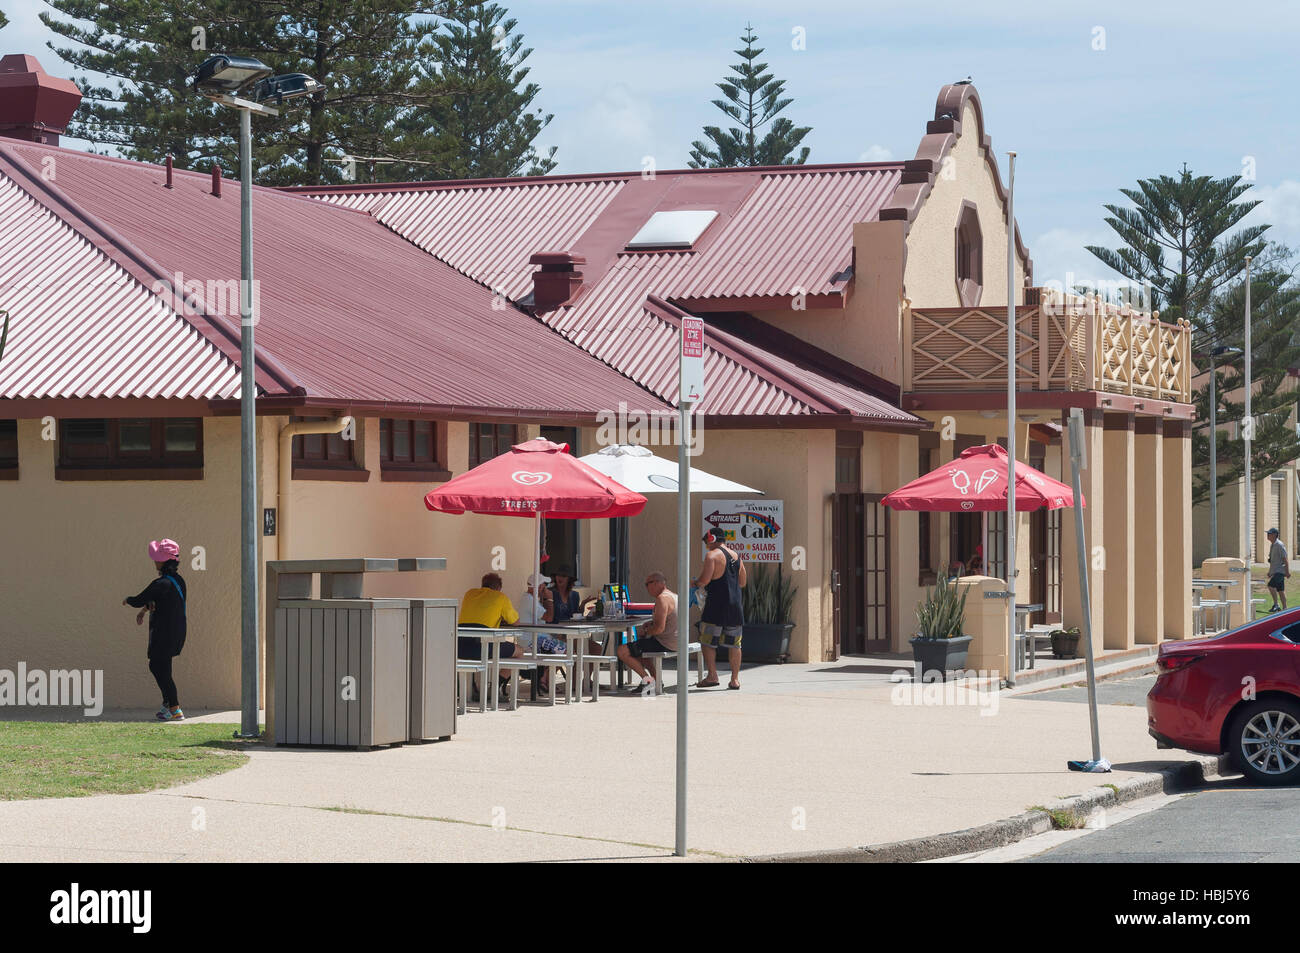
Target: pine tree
[1275, 314]
[475, 60]
[752, 100]
[1179, 241]
[365, 52]
[1185, 244]
[3, 19]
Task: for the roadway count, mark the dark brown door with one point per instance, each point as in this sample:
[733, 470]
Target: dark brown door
[875, 573]
[1038, 564]
[847, 572]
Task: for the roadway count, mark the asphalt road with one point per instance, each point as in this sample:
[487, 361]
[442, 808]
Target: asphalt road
[1119, 691]
[1227, 821]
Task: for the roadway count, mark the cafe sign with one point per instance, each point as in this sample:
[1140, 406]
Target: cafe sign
[751, 528]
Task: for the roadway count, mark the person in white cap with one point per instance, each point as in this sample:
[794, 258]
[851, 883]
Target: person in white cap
[164, 600]
[538, 606]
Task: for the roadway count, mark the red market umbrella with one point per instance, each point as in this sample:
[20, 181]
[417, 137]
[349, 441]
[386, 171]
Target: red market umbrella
[536, 478]
[977, 481]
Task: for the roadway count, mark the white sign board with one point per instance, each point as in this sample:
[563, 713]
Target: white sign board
[753, 528]
[692, 360]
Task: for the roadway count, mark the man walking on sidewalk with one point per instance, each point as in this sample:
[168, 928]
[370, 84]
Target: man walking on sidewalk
[1279, 570]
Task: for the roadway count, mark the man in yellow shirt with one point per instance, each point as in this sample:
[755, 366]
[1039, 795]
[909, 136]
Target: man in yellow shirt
[486, 607]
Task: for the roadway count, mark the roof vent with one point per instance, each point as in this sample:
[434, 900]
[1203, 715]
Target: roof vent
[34, 106]
[557, 281]
[678, 229]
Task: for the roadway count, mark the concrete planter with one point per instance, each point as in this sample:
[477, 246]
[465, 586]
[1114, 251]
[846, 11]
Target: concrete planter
[1065, 644]
[940, 655]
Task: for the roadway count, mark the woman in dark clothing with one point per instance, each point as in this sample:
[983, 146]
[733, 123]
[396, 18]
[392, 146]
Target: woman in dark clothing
[568, 602]
[164, 600]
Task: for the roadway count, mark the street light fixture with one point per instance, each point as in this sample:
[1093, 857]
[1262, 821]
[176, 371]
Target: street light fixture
[225, 80]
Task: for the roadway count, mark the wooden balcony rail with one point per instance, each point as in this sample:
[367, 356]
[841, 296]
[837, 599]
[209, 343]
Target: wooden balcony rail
[1065, 342]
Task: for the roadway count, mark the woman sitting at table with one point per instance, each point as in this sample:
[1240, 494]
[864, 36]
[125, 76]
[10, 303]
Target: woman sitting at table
[568, 602]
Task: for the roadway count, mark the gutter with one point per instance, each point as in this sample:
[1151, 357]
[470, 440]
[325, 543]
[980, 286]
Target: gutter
[287, 433]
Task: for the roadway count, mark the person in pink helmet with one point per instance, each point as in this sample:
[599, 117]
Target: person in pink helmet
[164, 600]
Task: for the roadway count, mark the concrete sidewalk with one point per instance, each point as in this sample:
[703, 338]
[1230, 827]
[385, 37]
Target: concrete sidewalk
[803, 758]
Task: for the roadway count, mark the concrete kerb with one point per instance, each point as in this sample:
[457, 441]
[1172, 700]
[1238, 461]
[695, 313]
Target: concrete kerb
[1010, 830]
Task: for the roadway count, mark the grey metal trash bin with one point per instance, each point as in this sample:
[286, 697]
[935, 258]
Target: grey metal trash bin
[343, 670]
[433, 669]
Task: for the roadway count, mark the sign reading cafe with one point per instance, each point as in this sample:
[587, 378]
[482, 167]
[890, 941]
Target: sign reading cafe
[752, 528]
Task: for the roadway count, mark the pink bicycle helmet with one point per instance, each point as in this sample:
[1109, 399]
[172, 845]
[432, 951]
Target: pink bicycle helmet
[161, 550]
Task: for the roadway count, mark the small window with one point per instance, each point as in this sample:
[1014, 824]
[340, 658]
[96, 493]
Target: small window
[8, 445]
[490, 440]
[970, 256]
[328, 450]
[139, 446]
[412, 446]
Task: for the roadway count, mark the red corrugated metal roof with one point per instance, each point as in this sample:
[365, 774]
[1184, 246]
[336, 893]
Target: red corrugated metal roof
[780, 231]
[349, 310]
[81, 327]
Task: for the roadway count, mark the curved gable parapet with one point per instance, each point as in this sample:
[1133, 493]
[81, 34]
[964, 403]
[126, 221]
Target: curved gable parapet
[941, 134]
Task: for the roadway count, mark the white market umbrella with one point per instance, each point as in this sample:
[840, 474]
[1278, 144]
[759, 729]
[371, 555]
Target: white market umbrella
[642, 471]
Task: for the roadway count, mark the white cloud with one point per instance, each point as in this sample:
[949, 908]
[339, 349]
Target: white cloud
[1060, 255]
[876, 153]
[1279, 207]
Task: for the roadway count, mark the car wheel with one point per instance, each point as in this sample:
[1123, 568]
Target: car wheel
[1265, 740]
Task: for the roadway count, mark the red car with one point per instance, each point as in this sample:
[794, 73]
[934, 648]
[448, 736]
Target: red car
[1237, 692]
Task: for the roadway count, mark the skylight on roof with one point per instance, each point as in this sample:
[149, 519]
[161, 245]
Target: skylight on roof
[677, 229]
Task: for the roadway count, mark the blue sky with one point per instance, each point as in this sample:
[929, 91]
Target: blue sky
[1209, 84]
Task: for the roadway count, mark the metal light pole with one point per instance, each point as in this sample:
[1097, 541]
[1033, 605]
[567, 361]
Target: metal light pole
[1248, 433]
[250, 671]
[225, 80]
[1011, 422]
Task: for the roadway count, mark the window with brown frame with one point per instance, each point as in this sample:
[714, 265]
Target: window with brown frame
[8, 449]
[143, 448]
[490, 440]
[970, 256]
[412, 449]
[324, 450]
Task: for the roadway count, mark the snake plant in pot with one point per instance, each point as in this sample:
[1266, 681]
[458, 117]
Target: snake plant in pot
[939, 645]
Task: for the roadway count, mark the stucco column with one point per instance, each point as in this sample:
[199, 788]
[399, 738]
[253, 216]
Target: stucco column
[1148, 530]
[1091, 486]
[1117, 487]
[1176, 498]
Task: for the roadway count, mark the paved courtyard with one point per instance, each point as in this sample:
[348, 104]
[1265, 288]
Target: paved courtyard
[803, 758]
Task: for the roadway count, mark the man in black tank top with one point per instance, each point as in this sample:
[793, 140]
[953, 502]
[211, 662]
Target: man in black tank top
[721, 577]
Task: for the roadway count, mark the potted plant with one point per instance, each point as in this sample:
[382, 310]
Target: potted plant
[939, 645]
[1065, 642]
[768, 602]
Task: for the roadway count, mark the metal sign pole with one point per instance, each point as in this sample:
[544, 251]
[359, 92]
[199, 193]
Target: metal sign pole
[690, 358]
[1077, 462]
[1011, 423]
[1248, 432]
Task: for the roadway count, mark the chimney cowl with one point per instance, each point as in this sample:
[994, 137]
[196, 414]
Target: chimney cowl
[34, 106]
[557, 281]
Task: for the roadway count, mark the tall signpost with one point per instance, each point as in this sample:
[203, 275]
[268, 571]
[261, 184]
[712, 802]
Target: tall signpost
[1079, 460]
[691, 380]
[1011, 423]
[1248, 433]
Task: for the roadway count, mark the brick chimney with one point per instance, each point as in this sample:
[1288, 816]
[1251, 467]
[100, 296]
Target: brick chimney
[34, 106]
[558, 281]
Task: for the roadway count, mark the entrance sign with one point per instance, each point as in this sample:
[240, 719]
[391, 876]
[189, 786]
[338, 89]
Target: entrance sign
[753, 528]
[692, 360]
